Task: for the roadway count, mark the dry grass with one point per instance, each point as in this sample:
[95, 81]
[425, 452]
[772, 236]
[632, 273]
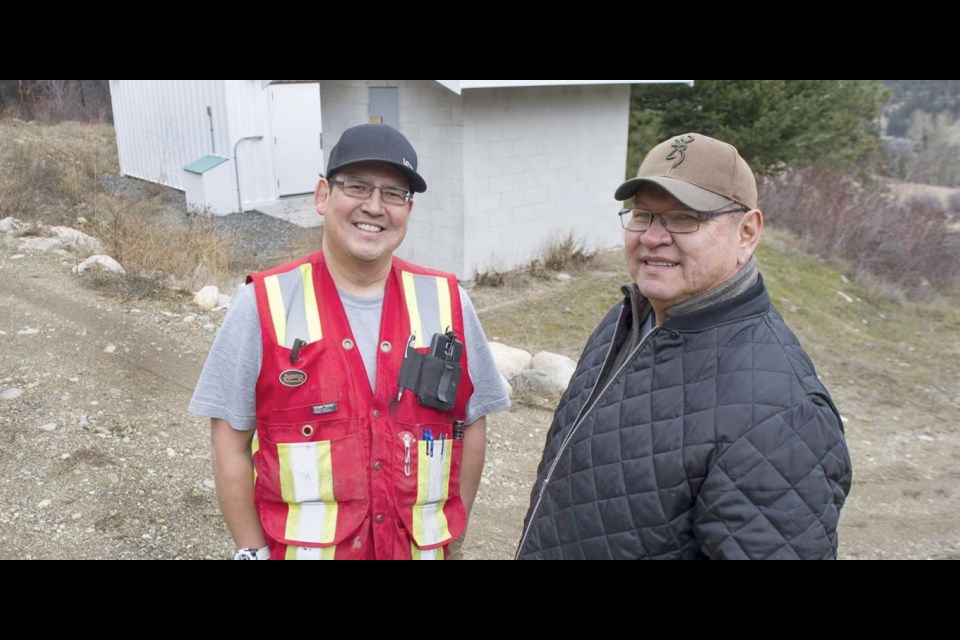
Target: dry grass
[563, 254]
[186, 253]
[52, 175]
[566, 254]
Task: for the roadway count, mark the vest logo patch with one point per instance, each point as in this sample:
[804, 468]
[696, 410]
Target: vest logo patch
[293, 378]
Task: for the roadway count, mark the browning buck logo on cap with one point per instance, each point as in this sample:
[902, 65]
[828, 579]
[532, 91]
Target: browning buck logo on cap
[679, 147]
[293, 378]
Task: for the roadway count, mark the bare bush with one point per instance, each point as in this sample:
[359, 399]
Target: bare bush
[489, 278]
[858, 223]
[53, 101]
[559, 254]
[187, 254]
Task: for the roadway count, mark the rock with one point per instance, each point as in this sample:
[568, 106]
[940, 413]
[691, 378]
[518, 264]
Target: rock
[208, 298]
[8, 224]
[50, 426]
[204, 318]
[209, 327]
[33, 243]
[43, 504]
[28, 331]
[209, 484]
[110, 348]
[533, 382]
[10, 394]
[559, 368]
[101, 261]
[562, 277]
[844, 296]
[189, 319]
[76, 238]
[510, 359]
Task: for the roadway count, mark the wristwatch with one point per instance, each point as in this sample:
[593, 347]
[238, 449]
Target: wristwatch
[250, 553]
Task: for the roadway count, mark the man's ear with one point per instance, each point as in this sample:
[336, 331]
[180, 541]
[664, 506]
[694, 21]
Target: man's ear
[751, 226]
[320, 195]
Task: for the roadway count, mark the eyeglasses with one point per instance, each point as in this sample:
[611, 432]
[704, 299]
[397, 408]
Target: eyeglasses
[679, 221]
[362, 190]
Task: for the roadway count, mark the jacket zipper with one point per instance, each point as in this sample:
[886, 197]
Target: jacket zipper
[576, 425]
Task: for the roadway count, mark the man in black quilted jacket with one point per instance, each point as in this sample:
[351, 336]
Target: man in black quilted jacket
[694, 426]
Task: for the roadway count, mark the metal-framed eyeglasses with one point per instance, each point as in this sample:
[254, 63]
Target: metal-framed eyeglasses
[362, 190]
[678, 221]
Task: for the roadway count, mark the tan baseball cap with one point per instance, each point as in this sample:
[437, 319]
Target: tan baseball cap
[699, 171]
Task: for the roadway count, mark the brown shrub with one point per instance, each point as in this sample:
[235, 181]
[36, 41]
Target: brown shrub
[856, 222]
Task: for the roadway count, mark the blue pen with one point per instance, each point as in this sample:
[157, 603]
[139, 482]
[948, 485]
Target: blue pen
[428, 438]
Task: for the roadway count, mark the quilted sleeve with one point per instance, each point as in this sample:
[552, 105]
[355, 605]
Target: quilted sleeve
[775, 492]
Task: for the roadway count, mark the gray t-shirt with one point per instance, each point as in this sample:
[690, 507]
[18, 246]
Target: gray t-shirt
[227, 385]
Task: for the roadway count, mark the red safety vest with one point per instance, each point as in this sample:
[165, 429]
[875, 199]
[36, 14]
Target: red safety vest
[343, 472]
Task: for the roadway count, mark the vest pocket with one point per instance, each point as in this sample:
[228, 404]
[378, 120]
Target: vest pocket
[310, 491]
[427, 482]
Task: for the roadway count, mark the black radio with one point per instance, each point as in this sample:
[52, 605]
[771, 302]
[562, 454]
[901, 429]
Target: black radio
[434, 376]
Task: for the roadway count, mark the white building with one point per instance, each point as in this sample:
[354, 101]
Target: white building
[510, 164]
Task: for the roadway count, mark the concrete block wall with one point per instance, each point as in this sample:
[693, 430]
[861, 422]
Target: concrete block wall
[540, 163]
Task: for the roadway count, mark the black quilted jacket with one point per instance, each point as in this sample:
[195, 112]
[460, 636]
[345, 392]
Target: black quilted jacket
[715, 439]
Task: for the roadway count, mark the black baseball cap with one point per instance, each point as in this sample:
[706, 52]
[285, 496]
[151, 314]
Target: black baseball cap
[377, 143]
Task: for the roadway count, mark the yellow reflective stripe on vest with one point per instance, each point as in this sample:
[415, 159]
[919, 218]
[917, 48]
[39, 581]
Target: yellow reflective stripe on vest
[428, 306]
[254, 447]
[431, 554]
[309, 553]
[293, 306]
[433, 484]
[306, 485]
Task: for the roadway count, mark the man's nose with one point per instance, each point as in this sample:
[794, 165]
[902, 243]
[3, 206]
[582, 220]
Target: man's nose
[656, 234]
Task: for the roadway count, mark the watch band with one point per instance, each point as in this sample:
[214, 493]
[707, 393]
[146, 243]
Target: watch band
[249, 553]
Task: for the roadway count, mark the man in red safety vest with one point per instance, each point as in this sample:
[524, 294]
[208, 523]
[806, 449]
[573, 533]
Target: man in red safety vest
[360, 383]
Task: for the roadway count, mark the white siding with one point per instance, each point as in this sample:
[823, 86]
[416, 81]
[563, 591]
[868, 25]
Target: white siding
[431, 118]
[540, 163]
[249, 115]
[162, 125]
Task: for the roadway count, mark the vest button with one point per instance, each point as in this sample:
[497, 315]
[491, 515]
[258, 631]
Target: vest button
[347, 344]
[379, 519]
[376, 413]
[385, 346]
[377, 465]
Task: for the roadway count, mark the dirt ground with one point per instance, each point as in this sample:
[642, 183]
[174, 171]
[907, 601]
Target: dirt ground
[100, 459]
